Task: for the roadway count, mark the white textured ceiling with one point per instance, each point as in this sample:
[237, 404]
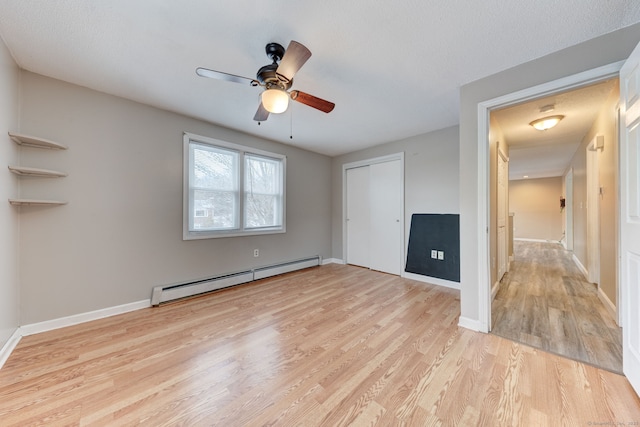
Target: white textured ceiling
[393, 69]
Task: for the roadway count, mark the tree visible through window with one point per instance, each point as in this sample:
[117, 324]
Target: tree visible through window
[262, 192]
[215, 188]
[217, 173]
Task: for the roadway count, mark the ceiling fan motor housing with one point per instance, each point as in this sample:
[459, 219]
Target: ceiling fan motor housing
[274, 51]
[267, 75]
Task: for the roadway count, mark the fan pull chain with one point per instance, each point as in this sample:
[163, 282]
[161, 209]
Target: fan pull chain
[291, 124]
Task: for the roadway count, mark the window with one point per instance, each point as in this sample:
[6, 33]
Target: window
[231, 190]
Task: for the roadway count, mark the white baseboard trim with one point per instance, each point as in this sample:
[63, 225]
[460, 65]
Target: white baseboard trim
[580, 266]
[9, 346]
[474, 325]
[431, 280]
[332, 261]
[522, 239]
[494, 290]
[49, 325]
[611, 308]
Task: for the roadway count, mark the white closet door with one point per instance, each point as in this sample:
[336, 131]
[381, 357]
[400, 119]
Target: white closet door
[385, 191]
[358, 219]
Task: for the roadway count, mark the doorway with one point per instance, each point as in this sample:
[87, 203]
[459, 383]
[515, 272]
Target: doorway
[482, 222]
[554, 306]
[628, 262]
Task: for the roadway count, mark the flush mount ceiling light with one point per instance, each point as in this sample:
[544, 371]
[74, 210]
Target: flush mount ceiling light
[546, 122]
[275, 100]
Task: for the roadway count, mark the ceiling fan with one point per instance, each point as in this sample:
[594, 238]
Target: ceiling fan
[276, 79]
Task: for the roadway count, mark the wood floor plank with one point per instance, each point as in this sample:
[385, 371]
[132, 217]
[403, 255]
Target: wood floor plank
[545, 301]
[330, 346]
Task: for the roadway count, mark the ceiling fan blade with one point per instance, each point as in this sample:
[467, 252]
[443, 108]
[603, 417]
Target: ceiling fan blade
[212, 74]
[294, 58]
[262, 114]
[312, 101]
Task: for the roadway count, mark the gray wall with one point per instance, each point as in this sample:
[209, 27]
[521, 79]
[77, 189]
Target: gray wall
[121, 233]
[536, 204]
[431, 177]
[9, 218]
[593, 53]
[605, 125]
[579, 166]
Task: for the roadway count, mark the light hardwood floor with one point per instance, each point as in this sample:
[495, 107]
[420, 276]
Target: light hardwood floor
[329, 346]
[545, 301]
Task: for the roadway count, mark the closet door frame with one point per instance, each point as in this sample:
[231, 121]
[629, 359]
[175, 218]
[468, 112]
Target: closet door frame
[369, 162]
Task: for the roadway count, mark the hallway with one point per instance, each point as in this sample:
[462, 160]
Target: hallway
[545, 301]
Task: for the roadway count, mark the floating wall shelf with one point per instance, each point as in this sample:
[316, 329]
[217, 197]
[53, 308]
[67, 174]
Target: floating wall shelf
[33, 141]
[44, 173]
[36, 202]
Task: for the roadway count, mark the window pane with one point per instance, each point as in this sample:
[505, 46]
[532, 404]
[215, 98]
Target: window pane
[263, 192]
[214, 185]
[261, 211]
[262, 175]
[214, 168]
[214, 210]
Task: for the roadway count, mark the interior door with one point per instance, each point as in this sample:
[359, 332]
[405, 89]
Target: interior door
[358, 216]
[630, 216]
[502, 215]
[386, 211]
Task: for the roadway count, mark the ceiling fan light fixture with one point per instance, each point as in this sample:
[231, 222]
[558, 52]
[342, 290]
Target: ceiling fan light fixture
[546, 122]
[275, 100]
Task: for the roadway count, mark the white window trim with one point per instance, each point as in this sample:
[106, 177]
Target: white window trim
[211, 234]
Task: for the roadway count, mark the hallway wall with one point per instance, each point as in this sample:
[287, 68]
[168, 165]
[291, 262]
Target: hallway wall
[606, 125]
[536, 204]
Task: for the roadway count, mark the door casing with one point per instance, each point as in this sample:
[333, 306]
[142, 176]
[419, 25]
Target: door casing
[484, 108]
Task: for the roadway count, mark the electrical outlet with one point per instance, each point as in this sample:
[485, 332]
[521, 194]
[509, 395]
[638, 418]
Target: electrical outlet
[256, 253]
[441, 255]
[434, 254]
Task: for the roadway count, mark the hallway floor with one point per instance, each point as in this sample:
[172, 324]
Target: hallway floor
[545, 301]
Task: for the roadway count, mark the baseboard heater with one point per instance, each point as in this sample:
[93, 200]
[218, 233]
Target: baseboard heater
[161, 294]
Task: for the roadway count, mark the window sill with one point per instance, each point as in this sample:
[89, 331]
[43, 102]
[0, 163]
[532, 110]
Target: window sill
[198, 235]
